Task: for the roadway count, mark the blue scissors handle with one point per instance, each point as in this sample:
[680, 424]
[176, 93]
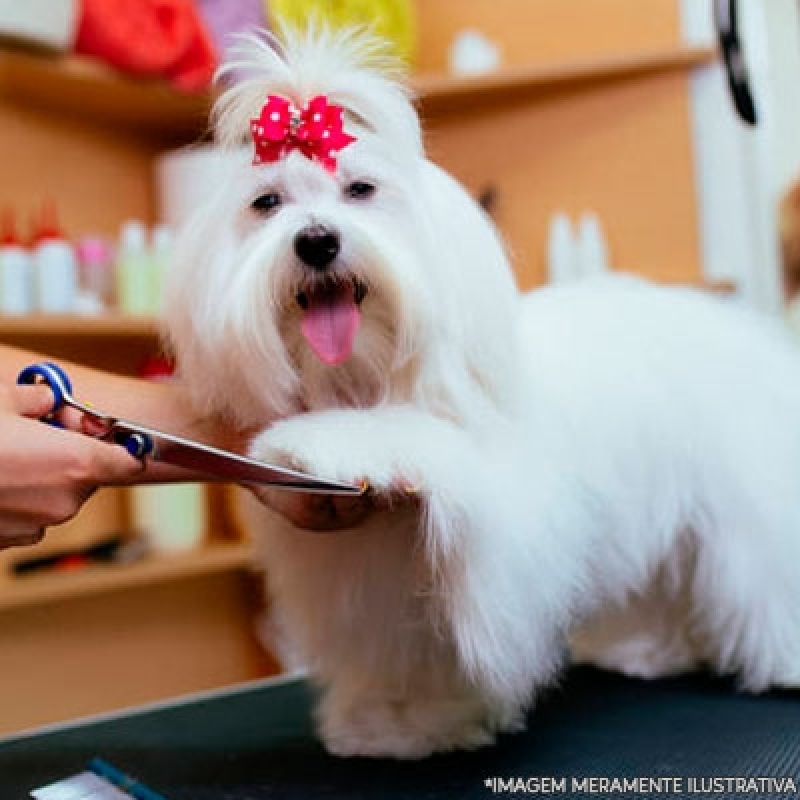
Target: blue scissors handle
[56, 379]
[137, 444]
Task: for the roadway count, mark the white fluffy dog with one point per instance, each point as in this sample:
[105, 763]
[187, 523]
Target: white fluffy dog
[612, 451]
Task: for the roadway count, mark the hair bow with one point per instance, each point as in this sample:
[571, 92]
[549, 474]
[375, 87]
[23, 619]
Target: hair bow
[316, 131]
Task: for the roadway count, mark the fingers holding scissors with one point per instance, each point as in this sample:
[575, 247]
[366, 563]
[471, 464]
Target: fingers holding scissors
[326, 512]
[45, 392]
[34, 400]
[48, 473]
[37, 401]
[49, 397]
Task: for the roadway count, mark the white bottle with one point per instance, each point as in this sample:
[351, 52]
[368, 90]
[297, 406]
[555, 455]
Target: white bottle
[96, 276]
[16, 273]
[562, 267]
[133, 270]
[592, 247]
[55, 267]
[472, 53]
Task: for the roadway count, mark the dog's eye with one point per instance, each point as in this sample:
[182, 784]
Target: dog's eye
[360, 190]
[265, 203]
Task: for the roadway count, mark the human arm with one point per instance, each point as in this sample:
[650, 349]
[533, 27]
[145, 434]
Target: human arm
[161, 405]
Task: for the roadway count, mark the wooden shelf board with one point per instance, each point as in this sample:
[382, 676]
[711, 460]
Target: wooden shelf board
[70, 325]
[83, 88]
[441, 93]
[42, 588]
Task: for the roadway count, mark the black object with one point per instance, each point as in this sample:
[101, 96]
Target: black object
[316, 246]
[727, 23]
[103, 552]
[487, 199]
[257, 743]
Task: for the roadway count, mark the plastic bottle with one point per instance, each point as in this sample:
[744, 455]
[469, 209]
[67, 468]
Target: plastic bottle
[173, 518]
[54, 265]
[472, 53]
[133, 270]
[96, 277]
[16, 271]
[562, 266]
[592, 246]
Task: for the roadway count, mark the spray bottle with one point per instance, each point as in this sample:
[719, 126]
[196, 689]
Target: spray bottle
[134, 270]
[54, 265]
[16, 270]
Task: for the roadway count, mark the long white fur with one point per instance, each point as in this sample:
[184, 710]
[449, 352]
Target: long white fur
[608, 453]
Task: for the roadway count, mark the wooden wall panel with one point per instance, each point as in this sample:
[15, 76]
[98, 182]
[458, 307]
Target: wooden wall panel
[621, 149]
[97, 176]
[538, 31]
[88, 655]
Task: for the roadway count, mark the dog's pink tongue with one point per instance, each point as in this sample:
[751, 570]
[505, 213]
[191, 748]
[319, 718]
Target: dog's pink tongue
[330, 323]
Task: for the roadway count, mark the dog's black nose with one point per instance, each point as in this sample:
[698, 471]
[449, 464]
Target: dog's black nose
[316, 246]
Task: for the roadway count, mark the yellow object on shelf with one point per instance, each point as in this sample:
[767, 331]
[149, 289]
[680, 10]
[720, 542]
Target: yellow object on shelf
[391, 19]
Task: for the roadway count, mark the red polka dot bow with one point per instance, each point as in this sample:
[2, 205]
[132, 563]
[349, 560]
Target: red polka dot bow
[316, 131]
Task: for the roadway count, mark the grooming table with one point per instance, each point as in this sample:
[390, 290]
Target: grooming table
[256, 742]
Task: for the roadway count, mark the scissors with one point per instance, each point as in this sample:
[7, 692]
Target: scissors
[143, 442]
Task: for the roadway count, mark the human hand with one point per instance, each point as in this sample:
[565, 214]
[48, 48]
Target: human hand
[46, 474]
[328, 512]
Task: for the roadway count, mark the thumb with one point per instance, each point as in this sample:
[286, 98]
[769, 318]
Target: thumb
[112, 464]
[34, 401]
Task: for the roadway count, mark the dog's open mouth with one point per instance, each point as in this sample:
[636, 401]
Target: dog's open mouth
[331, 317]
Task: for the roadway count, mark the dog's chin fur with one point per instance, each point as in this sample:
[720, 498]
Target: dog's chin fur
[611, 452]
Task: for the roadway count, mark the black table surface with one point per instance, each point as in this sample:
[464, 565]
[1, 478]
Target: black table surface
[257, 743]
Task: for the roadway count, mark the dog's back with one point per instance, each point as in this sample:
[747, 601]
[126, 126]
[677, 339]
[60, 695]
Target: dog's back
[680, 412]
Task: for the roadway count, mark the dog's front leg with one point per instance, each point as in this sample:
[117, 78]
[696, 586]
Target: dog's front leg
[391, 447]
[495, 603]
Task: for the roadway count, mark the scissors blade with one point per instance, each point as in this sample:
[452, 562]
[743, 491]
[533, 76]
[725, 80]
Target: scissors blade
[227, 466]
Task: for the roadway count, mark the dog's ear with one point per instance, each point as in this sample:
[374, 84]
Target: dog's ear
[208, 325]
[476, 297]
[351, 67]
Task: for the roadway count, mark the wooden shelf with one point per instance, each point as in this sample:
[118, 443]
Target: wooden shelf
[71, 325]
[52, 587]
[82, 88]
[443, 93]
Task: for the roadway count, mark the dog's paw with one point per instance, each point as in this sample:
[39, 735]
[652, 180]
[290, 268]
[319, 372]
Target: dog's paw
[347, 446]
[647, 655]
[405, 730]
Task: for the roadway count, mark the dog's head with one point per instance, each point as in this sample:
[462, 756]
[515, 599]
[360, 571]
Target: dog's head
[316, 278]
